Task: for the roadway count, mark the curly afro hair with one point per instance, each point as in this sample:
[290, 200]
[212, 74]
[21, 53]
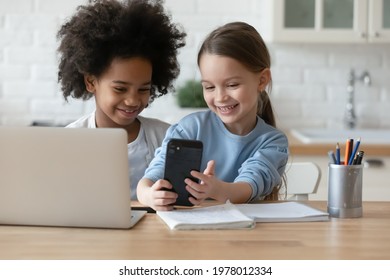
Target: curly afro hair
[108, 29]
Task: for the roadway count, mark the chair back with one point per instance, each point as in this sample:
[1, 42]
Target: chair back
[302, 179]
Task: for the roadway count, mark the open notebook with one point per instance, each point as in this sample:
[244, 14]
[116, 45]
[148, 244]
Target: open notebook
[240, 216]
[72, 177]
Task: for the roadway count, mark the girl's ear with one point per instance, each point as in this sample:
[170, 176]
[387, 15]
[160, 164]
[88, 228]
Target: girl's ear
[264, 79]
[90, 81]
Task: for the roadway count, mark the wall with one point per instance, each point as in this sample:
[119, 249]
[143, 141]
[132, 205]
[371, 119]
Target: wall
[309, 81]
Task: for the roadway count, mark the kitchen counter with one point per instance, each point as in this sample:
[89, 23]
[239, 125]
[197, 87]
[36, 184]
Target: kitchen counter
[299, 148]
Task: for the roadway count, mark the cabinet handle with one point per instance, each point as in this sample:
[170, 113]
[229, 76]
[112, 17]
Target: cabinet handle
[375, 35]
[363, 35]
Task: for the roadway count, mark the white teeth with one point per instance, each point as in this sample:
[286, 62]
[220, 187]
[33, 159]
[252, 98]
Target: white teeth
[128, 111]
[226, 108]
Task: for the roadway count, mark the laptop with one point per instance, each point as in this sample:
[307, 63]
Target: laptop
[67, 177]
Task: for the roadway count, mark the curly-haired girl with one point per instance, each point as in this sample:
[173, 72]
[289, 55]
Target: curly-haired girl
[124, 54]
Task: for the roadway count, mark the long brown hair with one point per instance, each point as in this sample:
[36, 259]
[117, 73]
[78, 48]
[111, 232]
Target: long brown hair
[243, 43]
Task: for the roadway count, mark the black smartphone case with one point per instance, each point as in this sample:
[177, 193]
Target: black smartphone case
[182, 156]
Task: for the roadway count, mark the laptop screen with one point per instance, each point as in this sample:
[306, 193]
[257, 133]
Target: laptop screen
[55, 176]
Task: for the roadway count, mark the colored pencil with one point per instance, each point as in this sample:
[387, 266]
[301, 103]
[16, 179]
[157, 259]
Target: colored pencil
[332, 158]
[337, 153]
[348, 150]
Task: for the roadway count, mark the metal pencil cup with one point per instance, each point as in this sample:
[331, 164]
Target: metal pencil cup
[345, 190]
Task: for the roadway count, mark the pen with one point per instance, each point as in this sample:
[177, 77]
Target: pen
[348, 150]
[332, 158]
[359, 157]
[143, 208]
[351, 158]
[337, 153]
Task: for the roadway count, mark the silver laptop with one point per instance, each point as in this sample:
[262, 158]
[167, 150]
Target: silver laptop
[70, 177]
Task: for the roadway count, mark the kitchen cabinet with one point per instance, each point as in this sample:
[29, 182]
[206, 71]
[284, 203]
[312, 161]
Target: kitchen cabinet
[329, 21]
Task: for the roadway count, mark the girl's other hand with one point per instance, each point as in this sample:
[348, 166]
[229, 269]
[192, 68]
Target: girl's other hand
[207, 186]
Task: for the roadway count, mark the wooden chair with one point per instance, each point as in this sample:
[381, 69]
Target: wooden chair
[302, 179]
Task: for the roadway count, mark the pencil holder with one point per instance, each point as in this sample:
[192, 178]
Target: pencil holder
[345, 190]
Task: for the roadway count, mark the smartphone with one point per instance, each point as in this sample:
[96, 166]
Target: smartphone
[182, 157]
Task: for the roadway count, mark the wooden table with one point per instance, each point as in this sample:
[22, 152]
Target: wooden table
[360, 238]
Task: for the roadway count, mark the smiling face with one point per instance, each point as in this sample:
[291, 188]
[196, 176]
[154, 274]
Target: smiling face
[231, 91]
[121, 92]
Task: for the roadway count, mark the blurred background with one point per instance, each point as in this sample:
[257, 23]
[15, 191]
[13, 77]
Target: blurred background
[314, 45]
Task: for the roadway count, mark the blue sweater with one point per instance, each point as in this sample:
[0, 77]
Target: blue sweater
[258, 158]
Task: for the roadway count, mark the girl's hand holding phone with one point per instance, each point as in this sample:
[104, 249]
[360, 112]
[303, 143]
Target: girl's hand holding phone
[162, 197]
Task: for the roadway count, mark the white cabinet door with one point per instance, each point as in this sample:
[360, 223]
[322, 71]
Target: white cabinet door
[379, 21]
[330, 21]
